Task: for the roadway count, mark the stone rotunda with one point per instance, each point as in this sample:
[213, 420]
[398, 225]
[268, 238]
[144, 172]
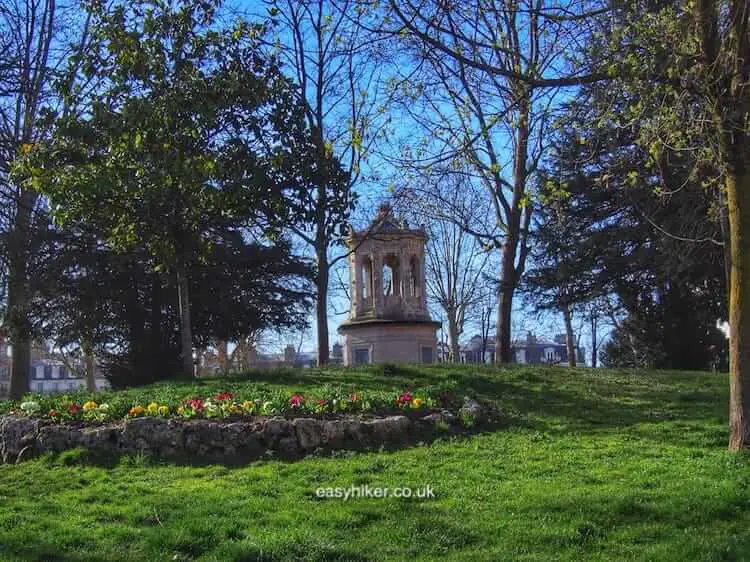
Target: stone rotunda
[388, 320]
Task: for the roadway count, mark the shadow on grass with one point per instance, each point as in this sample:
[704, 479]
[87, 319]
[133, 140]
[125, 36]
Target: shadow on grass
[542, 398]
[585, 398]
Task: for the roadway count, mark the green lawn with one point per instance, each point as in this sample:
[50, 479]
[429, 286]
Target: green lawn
[605, 465]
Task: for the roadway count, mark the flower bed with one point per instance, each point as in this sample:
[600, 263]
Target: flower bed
[226, 421]
[150, 431]
[234, 405]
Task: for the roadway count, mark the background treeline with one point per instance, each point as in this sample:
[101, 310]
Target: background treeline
[174, 176]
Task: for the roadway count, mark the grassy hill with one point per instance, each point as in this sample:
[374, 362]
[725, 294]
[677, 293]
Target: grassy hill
[602, 465]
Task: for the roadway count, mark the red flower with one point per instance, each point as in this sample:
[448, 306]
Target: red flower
[195, 403]
[405, 398]
[52, 413]
[73, 409]
[223, 396]
[295, 401]
[322, 402]
[354, 397]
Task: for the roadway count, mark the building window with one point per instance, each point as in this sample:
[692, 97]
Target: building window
[48, 371]
[38, 371]
[427, 354]
[362, 356]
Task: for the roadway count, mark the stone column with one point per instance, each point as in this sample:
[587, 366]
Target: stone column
[355, 290]
[402, 266]
[377, 282]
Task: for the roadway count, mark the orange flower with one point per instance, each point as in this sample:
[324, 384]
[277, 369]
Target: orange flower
[137, 411]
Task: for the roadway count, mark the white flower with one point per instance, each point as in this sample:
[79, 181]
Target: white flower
[30, 407]
[268, 408]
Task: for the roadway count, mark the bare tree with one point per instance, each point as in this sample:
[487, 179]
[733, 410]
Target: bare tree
[331, 58]
[456, 262]
[485, 96]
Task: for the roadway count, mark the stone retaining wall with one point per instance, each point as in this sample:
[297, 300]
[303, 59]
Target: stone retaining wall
[223, 441]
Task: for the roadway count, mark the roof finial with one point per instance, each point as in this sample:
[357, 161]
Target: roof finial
[384, 210]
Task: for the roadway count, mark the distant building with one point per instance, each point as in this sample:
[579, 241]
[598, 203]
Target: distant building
[290, 358]
[48, 374]
[530, 351]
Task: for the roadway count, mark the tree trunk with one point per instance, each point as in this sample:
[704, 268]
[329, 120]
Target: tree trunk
[156, 343]
[321, 308]
[486, 321]
[569, 340]
[186, 330]
[738, 203]
[453, 337]
[18, 289]
[593, 341]
[90, 365]
[510, 274]
[505, 302]
[20, 368]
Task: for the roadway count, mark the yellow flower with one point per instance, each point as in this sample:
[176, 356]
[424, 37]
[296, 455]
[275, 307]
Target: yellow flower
[137, 411]
[247, 405]
[417, 402]
[163, 410]
[89, 406]
[180, 410]
[26, 148]
[152, 408]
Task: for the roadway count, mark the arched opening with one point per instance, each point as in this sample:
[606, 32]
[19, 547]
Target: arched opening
[391, 282]
[366, 280]
[415, 289]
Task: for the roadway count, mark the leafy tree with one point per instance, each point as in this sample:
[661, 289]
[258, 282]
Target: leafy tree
[689, 65]
[616, 224]
[188, 130]
[261, 286]
[70, 307]
[92, 298]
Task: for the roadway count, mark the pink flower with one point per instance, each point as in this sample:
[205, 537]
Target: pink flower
[295, 401]
[223, 396]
